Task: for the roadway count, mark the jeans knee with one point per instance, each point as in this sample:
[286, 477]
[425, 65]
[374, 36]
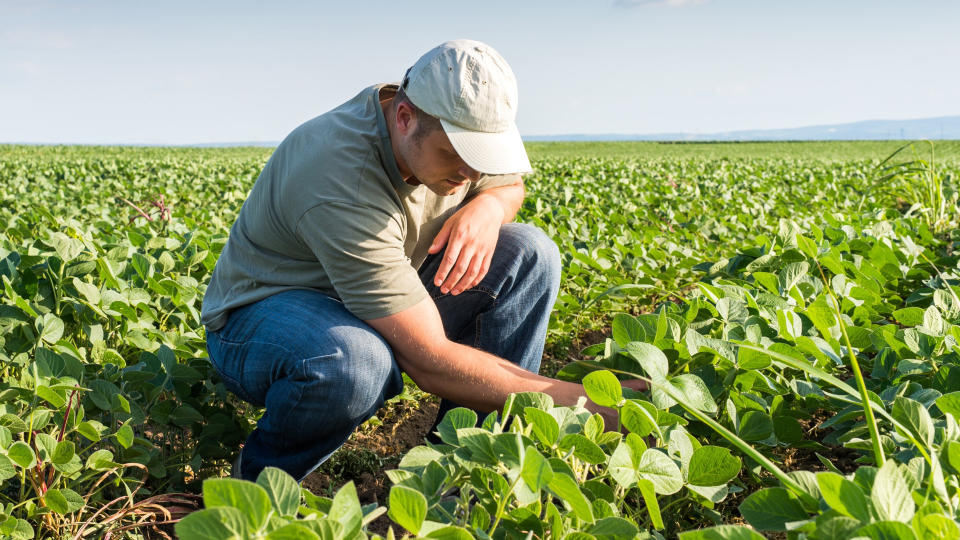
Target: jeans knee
[366, 373]
[537, 250]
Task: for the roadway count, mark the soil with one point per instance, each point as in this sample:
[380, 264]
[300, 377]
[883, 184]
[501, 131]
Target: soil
[371, 451]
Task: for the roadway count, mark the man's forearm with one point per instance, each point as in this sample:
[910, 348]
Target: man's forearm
[508, 197]
[482, 381]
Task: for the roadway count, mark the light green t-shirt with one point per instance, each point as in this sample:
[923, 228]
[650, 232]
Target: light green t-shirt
[331, 212]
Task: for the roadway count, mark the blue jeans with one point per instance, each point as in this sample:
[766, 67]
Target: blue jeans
[320, 371]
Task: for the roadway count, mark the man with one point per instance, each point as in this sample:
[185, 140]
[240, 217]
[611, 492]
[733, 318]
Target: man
[378, 239]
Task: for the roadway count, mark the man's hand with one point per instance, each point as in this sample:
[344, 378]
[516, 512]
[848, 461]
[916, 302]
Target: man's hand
[470, 236]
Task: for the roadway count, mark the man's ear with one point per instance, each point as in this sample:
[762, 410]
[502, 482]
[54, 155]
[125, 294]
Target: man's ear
[406, 119]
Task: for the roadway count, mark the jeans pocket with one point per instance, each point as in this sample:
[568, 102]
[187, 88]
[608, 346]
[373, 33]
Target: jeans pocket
[228, 358]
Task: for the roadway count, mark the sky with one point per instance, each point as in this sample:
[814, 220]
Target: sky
[172, 72]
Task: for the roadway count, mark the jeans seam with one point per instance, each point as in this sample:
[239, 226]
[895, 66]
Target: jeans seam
[478, 288]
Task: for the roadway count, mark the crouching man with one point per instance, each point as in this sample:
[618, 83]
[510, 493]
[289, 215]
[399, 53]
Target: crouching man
[378, 240]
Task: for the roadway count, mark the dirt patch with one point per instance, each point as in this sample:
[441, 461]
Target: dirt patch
[371, 451]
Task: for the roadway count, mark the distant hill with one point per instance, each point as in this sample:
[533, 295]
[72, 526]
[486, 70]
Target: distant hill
[943, 127]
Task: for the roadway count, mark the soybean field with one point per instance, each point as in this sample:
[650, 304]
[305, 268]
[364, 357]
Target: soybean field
[793, 307]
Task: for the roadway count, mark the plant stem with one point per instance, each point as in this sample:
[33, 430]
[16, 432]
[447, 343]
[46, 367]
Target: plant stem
[855, 366]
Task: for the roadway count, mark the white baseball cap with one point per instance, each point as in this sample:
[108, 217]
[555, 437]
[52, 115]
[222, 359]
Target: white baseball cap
[471, 89]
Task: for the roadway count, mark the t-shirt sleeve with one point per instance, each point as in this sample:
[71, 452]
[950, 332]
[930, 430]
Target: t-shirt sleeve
[487, 182]
[361, 251]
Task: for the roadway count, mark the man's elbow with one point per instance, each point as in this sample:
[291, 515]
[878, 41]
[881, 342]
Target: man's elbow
[426, 371]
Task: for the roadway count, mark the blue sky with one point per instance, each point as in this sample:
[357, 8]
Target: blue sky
[194, 72]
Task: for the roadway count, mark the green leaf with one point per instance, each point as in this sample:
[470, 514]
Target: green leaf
[637, 419]
[455, 419]
[63, 453]
[21, 453]
[755, 426]
[292, 531]
[249, 498]
[844, 496]
[213, 524]
[545, 426]
[603, 388]
[915, 417]
[771, 509]
[661, 470]
[408, 508]
[891, 493]
[613, 527]
[911, 316]
[712, 466]
[124, 435]
[567, 490]
[722, 532]
[695, 391]
[536, 472]
[650, 358]
[283, 490]
[886, 530]
[938, 527]
[950, 403]
[63, 501]
[650, 500]
[7, 469]
[787, 429]
[626, 329]
[450, 532]
[49, 328]
[346, 510]
[584, 448]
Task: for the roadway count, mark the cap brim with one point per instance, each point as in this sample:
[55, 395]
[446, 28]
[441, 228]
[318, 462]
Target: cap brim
[489, 153]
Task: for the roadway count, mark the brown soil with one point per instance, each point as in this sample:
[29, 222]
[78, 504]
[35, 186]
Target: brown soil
[373, 450]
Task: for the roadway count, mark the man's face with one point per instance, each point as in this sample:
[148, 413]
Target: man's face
[435, 164]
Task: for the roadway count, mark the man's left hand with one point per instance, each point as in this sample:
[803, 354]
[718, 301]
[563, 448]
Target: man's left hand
[470, 236]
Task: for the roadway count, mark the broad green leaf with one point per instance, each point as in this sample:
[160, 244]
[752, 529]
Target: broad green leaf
[292, 531]
[938, 527]
[755, 426]
[722, 532]
[63, 501]
[545, 426]
[621, 466]
[584, 448]
[613, 527]
[49, 328]
[637, 419]
[603, 388]
[457, 418]
[656, 467]
[891, 493]
[346, 510]
[63, 453]
[712, 466]
[536, 471]
[695, 391]
[21, 453]
[650, 358]
[950, 403]
[911, 316]
[213, 524]
[249, 498]
[283, 490]
[124, 435]
[844, 496]
[887, 530]
[626, 329]
[915, 417]
[408, 508]
[771, 509]
[567, 490]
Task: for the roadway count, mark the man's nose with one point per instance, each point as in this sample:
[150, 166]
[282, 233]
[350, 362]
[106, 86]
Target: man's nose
[470, 174]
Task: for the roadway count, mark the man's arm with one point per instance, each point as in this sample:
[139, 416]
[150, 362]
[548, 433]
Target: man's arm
[471, 236]
[462, 374]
